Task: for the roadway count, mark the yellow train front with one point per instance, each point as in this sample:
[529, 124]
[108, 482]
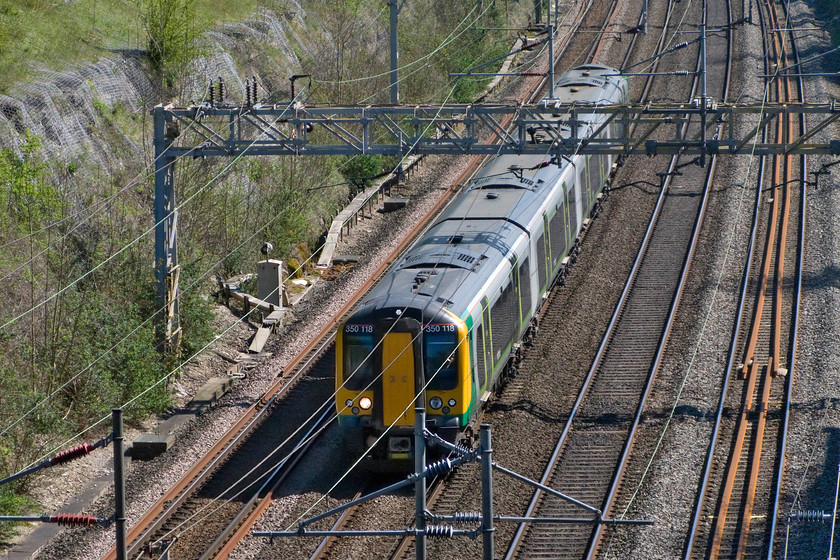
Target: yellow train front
[385, 358]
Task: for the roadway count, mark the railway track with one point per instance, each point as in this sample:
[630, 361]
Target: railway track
[351, 518]
[737, 510]
[193, 499]
[179, 501]
[592, 452]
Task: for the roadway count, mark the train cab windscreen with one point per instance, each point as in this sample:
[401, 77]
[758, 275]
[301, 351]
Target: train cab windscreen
[358, 357]
[439, 348]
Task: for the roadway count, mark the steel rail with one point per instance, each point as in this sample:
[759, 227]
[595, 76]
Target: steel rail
[154, 519]
[436, 490]
[752, 371]
[794, 319]
[595, 49]
[262, 504]
[782, 171]
[321, 551]
[219, 548]
[746, 517]
[520, 533]
[591, 547]
[730, 367]
[777, 242]
[709, 179]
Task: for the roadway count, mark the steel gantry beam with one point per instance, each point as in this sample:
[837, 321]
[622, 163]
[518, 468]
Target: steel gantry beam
[547, 128]
[462, 129]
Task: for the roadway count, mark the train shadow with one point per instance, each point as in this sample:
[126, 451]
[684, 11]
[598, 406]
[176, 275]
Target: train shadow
[809, 535]
[826, 277]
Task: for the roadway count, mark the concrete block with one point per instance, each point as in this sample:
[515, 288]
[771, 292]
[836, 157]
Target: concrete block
[148, 446]
[208, 394]
[260, 339]
[392, 204]
[270, 281]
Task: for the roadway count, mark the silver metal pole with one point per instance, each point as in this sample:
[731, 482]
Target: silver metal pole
[395, 91]
[703, 91]
[420, 483]
[486, 492]
[119, 483]
[550, 56]
[644, 17]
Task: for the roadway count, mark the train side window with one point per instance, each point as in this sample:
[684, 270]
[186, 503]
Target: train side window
[524, 289]
[480, 352]
[485, 344]
[594, 178]
[571, 206]
[587, 184]
[558, 237]
[504, 320]
[542, 264]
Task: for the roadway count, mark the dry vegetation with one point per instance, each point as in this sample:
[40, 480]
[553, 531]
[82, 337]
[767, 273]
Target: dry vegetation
[77, 334]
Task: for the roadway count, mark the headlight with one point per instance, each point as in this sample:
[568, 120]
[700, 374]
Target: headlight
[365, 403]
[436, 402]
[445, 410]
[451, 402]
[348, 402]
[355, 410]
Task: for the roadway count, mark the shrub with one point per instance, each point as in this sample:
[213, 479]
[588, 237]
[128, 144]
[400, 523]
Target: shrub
[172, 32]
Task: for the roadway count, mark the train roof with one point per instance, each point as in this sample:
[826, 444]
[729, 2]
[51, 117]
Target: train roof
[463, 250]
[590, 84]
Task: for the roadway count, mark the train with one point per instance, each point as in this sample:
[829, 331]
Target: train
[450, 317]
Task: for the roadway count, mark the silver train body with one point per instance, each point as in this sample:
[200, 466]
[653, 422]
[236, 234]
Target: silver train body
[447, 318]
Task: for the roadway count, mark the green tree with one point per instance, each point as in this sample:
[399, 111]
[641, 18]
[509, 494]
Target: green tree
[172, 32]
[28, 200]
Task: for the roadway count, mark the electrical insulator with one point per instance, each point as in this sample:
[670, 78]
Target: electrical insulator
[73, 519]
[439, 531]
[466, 518]
[72, 453]
[439, 468]
[810, 515]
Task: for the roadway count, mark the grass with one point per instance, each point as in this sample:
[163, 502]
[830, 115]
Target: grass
[49, 35]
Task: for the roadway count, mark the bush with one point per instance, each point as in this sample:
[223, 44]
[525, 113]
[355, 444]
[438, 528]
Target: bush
[172, 32]
[361, 171]
[11, 503]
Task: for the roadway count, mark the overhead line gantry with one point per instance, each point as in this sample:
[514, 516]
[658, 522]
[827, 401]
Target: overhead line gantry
[547, 128]
[544, 128]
